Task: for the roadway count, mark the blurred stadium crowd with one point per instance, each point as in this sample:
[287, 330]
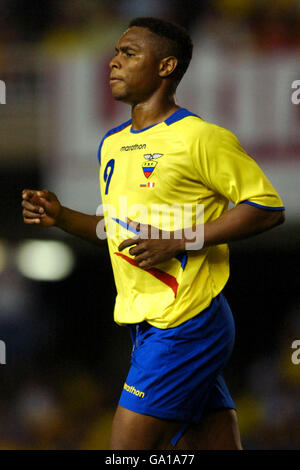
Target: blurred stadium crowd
[259, 23]
[66, 361]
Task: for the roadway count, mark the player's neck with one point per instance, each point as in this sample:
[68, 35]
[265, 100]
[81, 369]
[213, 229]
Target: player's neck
[152, 111]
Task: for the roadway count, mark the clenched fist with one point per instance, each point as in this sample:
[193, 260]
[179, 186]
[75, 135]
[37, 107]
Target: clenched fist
[40, 207]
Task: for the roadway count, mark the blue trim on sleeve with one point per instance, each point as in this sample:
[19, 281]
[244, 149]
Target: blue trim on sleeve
[111, 132]
[269, 208]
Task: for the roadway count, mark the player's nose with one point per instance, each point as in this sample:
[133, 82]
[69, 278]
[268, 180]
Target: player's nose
[115, 63]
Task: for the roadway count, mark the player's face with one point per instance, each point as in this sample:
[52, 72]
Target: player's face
[134, 69]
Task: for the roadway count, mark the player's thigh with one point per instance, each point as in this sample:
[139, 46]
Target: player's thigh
[217, 431]
[135, 431]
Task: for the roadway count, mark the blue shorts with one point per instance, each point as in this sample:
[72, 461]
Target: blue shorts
[176, 373]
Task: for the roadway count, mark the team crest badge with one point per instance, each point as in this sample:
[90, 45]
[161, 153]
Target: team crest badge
[149, 166]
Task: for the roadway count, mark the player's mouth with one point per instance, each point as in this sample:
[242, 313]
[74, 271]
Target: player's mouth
[115, 80]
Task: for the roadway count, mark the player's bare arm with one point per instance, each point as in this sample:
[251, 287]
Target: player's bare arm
[44, 209]
[243, 221]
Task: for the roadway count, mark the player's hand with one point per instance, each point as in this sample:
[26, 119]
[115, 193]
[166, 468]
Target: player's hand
[148, 251]
[40, 207]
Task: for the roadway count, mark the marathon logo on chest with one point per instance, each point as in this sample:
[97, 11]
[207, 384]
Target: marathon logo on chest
[127, 148]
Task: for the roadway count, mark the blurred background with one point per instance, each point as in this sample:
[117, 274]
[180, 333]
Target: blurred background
[66, 360]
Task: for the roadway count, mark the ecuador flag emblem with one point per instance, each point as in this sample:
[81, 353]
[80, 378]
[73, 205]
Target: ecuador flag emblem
[148, 168]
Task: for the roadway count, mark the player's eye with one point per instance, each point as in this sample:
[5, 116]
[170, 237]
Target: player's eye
[128, 54]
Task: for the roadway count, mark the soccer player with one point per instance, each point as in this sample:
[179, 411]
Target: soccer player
[169, 291]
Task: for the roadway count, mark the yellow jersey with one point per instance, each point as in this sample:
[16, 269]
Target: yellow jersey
[182, 161]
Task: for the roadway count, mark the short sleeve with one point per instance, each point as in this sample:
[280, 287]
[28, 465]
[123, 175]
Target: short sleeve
[224, 166]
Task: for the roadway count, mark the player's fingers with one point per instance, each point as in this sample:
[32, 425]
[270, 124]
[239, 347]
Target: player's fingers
[45, 203]
[146, 263]
[28, 193]
[30, 215]
[31, 207]
[129, 242]
[44, 193]
[145, 256]
[42, 204]
[136, 250]
[27, 220]
[32, 194]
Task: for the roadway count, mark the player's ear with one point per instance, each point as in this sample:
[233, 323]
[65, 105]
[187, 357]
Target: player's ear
[167, 65]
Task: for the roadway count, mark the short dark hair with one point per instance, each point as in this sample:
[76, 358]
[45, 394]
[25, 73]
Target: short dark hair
[179, 42]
